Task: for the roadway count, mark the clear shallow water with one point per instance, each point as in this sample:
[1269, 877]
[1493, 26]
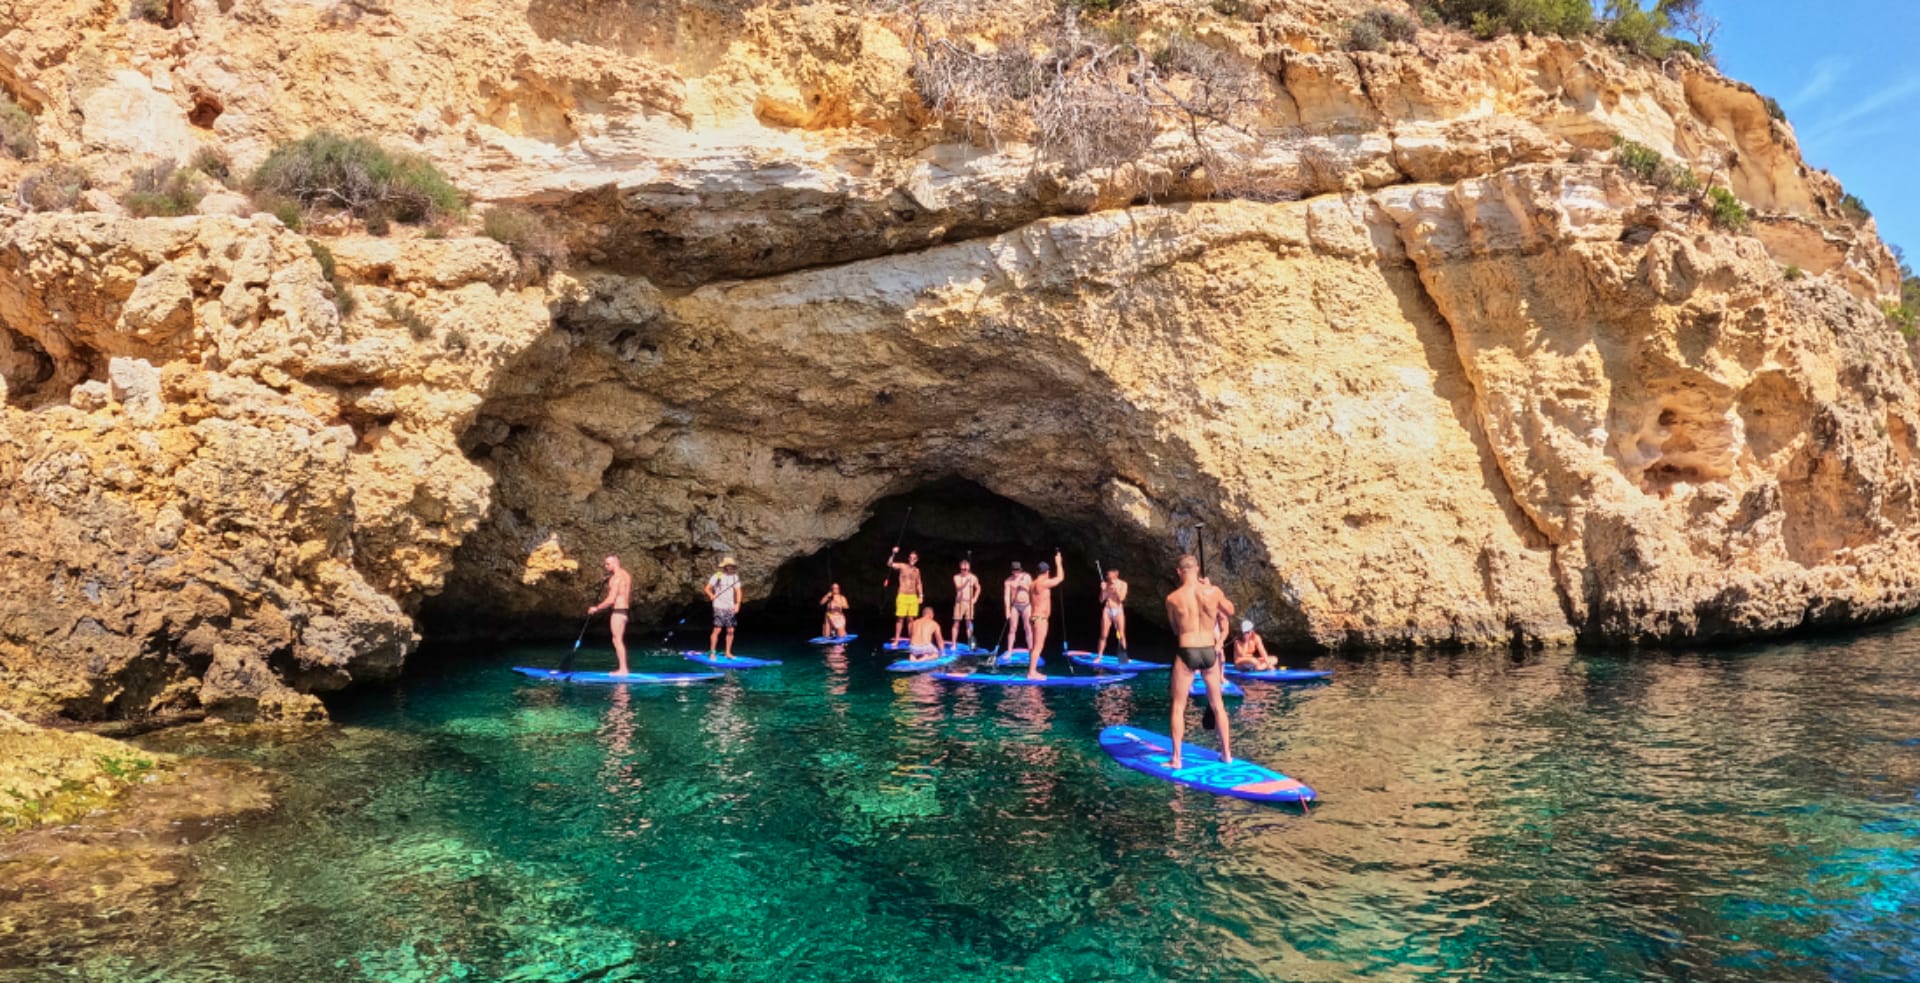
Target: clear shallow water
[1747, 814]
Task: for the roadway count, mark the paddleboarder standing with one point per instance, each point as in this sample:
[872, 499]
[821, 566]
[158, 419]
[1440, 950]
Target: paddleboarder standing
[1016, 596]
[1113, 614]
[836, 604]
[619, 595]
[1193, 610]
[723, 589]
[906, 604]
[1043, 585]
[966, 590]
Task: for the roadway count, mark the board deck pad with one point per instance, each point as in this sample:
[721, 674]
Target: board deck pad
[997, 679]
[1015, 657]
[1282, 675]
[637, 678]
[908, 665]
[824, 640]
[1227, 688]
[1147, 752]
[727, 662]
[1113, 662]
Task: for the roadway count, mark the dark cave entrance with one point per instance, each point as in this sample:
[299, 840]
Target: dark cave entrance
[954, 519]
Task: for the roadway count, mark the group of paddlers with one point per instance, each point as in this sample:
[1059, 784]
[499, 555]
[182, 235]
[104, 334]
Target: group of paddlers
[1198, 612]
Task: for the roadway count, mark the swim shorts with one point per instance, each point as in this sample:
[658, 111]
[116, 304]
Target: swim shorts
[963, 612]
[723, 617]
[922, 650]
[1198, 659]
[906, 606]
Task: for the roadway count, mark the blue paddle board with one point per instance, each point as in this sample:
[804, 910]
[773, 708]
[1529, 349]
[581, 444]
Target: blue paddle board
[1015, 657]
[1227, 687]
[899, 646]
[727, 661]
[651, 678]
[824, 640]
[961, 648]
[1113, 662]
[1281, 675]
[908, 665]
[995, 679]
[1147, 752]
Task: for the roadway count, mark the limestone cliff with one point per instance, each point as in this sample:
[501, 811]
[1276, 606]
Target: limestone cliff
[1394, 324]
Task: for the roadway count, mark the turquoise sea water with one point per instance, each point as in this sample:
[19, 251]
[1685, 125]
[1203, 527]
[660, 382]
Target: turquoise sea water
[1740, 815]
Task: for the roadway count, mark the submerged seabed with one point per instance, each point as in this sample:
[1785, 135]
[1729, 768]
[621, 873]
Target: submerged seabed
[1743, 815]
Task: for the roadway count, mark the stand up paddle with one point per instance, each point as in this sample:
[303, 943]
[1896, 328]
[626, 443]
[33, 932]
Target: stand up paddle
[897, 540]
[566, 661]
[1207, 719]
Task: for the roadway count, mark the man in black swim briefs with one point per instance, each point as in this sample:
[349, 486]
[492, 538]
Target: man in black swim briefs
[1193, 610]
[619, 591]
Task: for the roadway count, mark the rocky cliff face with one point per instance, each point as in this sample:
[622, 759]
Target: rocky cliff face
[1395, 325]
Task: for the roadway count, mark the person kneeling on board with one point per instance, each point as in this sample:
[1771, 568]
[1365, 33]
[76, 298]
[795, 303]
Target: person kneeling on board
[723, 589]
[836, 604]
[925, 641]
[1250, 653]
[1193, 611]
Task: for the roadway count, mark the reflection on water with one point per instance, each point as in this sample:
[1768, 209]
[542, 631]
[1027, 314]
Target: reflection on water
[1746, 815]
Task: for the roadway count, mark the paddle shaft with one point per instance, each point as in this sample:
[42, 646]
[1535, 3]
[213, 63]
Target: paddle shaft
[566, 662]
[897, 540]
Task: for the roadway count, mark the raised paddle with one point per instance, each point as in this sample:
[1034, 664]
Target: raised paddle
[897, 540]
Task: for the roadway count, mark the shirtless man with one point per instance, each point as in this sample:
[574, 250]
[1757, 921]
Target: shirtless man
[1250, 653]
[925, 642]
[906, 604]
[1223, 619]
[1113, 614]
[1193, 609]
[966, 590]
[1016, 595]
[1043, 586]
[619, 591]
[723, 589]
[836, 604]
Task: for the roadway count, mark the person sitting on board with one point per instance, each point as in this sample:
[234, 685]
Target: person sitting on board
[836, 604]
[619, 592]
[723, 589]
[966, 590]
[906, 604]
[1113, 614]
[1016, 595]
[1250, 653]
[925, 642]
[1193, 609]
[1043, 586]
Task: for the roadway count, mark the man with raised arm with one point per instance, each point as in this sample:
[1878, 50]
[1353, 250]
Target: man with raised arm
[723, 589]
[1016, 596]
[619, 592]
[1193, 609]
[906, 604]
[1043, 585]
[966, 591]
[1113, 614]
[835, 626]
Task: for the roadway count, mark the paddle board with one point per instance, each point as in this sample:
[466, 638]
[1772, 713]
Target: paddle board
[651, 678]
[1282, 675]
[908, 665]
[1113, 662]
[899, 646]
[1227, 687]
[824, 640]
[1147, 752]
[1015, 657]
[995, 679]
[727, 662]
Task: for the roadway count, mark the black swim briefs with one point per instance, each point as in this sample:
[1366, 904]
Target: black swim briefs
[1198, 659]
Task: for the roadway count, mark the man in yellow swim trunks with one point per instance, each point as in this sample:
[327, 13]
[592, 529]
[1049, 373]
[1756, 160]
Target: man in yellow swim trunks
[906, 604]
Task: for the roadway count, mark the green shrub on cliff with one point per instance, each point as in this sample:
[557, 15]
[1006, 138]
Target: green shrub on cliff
[1725, 210]
[1492, 18]
[19, 134]
[1649, 166]
[1378, 27]
[1627, 23]
[531, 238]
[54, 188]
[358, 175]
[164, 189]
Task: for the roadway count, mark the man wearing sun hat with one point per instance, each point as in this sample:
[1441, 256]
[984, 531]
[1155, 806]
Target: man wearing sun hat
[723, 589]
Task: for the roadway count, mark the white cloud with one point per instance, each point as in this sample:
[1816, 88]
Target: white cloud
[1873, 102]
[1826, 74]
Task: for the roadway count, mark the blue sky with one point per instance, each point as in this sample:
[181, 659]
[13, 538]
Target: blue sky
[1846, 73]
